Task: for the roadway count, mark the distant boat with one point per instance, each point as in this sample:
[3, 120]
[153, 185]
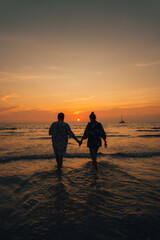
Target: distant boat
[122, 121]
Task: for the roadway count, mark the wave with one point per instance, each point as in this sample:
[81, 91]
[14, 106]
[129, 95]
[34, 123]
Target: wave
[118, 135]
[44, 138]
[79, 155]
[11, 134]
[2, 129]
[149, 136]
[40, 157]
[152, 130]
[135, 155]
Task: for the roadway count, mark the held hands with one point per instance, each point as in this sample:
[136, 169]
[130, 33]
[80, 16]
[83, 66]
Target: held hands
[80, 143]
[105, 144]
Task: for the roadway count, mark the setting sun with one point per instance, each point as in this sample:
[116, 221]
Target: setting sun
[78, 120]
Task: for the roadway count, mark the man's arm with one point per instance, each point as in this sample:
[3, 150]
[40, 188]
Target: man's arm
[75, 138]
[71, 134]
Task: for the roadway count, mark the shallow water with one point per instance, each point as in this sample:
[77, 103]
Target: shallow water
[121, 201]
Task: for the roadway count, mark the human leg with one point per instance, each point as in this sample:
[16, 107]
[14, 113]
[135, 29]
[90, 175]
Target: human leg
[59, 159]
[93, 153]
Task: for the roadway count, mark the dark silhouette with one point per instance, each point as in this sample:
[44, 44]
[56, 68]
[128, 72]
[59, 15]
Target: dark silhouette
[94, 132]
[60, 132]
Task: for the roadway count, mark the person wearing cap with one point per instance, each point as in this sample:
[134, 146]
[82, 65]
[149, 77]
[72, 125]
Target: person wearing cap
[94, 132]
[60, 132]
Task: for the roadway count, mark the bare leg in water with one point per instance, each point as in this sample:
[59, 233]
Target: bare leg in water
[93, 153]
[59, 159]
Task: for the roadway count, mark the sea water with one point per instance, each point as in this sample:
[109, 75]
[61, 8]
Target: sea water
[120, 201]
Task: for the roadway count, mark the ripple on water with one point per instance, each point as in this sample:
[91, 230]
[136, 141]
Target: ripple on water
[79, 203]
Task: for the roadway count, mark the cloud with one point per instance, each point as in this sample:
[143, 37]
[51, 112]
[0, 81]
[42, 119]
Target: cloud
[7, 109]
[148, 64]
[78, 112]
[51, 67]
[80, 99]
[85, 99]
[13, 39]
[5, 97]
[17, 76]
[55, 68]
[97, 73]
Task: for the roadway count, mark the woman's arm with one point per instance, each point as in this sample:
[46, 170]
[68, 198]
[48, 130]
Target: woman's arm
[85, 135]
[103, 136]
[105, 143]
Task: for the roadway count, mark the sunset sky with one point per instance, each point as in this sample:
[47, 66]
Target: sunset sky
[79, 56]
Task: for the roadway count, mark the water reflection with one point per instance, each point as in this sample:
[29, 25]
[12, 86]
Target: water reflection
[77, 203]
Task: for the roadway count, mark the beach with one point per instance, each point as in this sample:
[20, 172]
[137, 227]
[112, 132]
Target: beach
[120, 201]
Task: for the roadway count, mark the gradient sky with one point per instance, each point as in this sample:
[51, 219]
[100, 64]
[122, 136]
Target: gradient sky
[79, 56]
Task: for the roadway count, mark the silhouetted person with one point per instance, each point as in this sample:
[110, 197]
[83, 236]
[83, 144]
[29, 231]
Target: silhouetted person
[94, 132]
[60, 132]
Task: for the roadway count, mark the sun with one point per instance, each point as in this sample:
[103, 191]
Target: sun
[78, 119]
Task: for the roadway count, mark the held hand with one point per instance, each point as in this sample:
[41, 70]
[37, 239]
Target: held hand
[105, 144]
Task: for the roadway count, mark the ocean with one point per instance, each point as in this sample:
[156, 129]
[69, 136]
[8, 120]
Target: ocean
[120, 201]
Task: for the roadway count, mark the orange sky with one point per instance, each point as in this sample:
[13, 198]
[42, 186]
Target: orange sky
[79, 57]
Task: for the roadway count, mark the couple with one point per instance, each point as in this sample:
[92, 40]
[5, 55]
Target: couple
[61, 130]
